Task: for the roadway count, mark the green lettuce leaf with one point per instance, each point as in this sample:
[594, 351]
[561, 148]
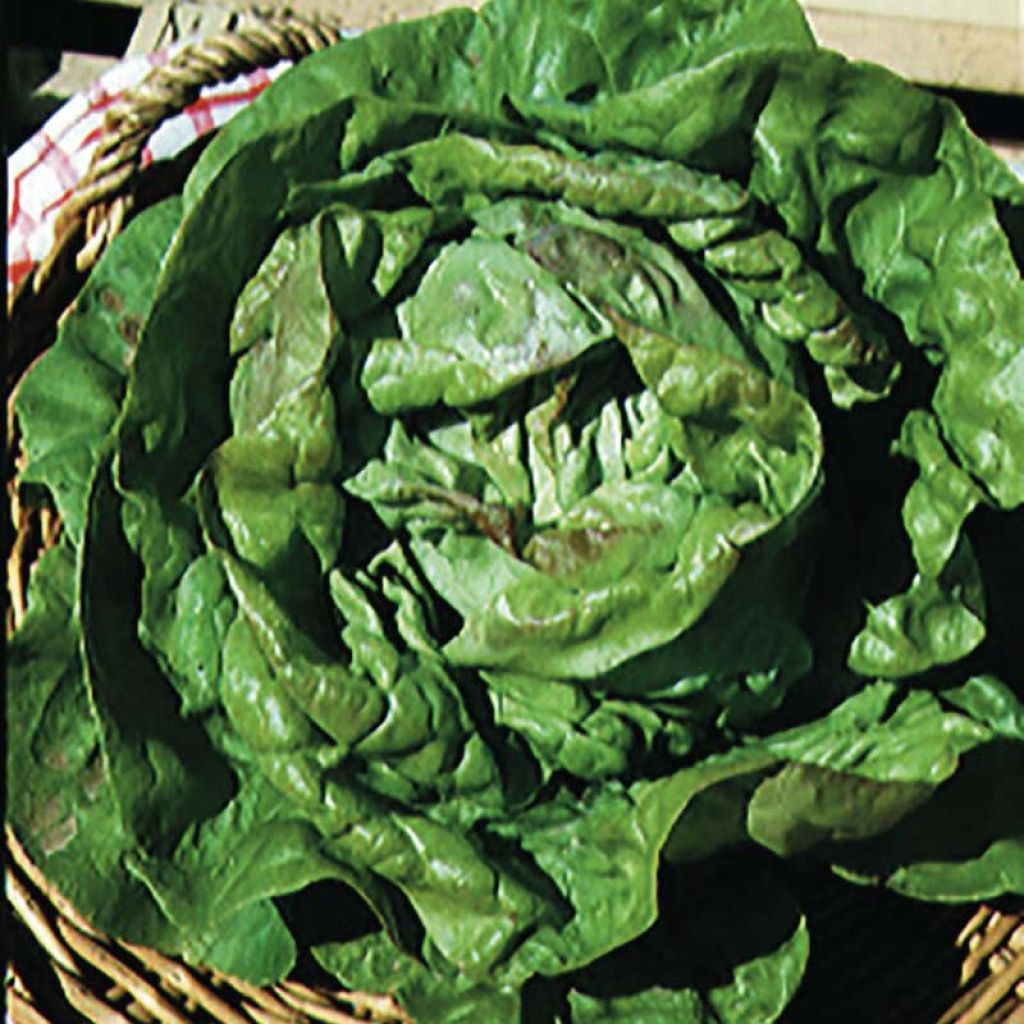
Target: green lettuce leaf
[68, 404]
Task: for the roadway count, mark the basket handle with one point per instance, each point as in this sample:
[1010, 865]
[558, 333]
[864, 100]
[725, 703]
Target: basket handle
[105, 196]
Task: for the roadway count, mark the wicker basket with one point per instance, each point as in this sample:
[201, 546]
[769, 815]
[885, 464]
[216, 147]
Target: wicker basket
[63, 969]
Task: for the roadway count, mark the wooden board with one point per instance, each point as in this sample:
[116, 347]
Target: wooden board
[943, 52]
[994, 13]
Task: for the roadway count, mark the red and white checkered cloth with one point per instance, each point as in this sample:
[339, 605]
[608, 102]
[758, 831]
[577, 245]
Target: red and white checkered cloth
[43, 172]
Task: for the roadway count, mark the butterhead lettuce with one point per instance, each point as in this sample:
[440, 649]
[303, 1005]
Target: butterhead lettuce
[549, 467]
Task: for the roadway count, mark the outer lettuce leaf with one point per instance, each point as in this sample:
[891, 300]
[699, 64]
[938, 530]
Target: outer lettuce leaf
[990, 701]
[936, 621]
[163, 768]
[766, 950]
[885, 735]
[880, 765]
[460, 61]
[67, 405]
[415, 60]
[981, 859]
[576, 52]
[371, 963]
[173, 385]
[217, 886]
[61, 802]
[768, 962]
[984, 856]
[950, 275]
[940, 500]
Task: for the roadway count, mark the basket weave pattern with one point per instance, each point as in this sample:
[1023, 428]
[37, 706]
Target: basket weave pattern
[112, 982]
[993, 970]
[103, 980]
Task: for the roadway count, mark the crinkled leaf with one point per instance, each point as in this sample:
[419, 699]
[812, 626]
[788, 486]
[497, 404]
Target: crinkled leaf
[693, 967]
[68, 403]
[936, 621]
[61, 802]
